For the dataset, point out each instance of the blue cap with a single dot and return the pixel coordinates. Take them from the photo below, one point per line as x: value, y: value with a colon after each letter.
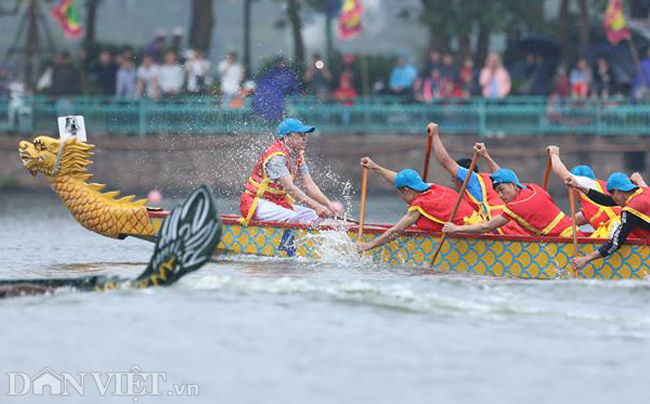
x: 621, y: 182
x: 292, y: 125
x: 505, y: 176
x: 583, y: 171
x: 410, y: 178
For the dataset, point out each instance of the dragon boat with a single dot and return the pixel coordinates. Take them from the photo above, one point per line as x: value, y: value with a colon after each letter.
x: 64, y: 164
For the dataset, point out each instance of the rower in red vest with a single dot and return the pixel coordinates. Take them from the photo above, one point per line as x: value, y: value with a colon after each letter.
x: 479, y: 194
x: 527, y: 204
x: 270, y: 190
x: 430, y: 205
x: 635, y: 215
x: 604, y: 219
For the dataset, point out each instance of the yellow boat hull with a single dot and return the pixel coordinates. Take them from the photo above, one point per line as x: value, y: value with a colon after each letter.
x: 503, y: 256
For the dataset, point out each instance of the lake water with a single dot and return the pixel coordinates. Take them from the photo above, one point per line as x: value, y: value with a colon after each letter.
x: 257, y: 330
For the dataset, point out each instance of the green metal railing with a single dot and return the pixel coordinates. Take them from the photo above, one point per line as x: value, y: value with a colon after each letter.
x: 522, y: 116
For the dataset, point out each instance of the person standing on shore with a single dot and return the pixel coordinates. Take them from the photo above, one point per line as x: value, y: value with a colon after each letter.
x: 232, y: 74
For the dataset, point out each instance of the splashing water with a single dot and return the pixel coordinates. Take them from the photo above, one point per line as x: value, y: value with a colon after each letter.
x: 347, y: 192
x: 336, y: 247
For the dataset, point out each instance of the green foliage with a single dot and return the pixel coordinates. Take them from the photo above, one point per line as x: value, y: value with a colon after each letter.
x: 598, y: 7
x: 379, y: 67
x: 450, y: 18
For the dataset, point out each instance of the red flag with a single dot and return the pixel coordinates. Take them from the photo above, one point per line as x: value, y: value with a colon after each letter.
x: 615, y: 23
x: 67, y: 15
x: 350, y: 18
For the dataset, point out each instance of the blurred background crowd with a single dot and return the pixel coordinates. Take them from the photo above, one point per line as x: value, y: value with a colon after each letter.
x: 162, y: 70
x: 596, y: 55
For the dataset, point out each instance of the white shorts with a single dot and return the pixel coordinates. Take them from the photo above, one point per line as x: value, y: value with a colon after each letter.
x: 270, y: 211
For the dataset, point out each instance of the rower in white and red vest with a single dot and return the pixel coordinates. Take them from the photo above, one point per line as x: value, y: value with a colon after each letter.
x: 479, y: 193
x: 430, y: 205
x: 635, y: 215
x: 604, y: 219
x: 527, y: 204
x: 271, y: 190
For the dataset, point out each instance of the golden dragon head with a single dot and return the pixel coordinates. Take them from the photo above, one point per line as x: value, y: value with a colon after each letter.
x: 64, y: 165
x: 53, y: 157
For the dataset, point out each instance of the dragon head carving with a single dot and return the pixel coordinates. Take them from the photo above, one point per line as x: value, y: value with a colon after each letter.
x: 64, y: 165
x: 53, y: 157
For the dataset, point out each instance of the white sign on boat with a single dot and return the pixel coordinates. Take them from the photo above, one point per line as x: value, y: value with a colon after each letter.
x: 72, y: 126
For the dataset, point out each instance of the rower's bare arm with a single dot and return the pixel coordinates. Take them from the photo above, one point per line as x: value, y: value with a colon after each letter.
x: 478, y: 228
x: 315, y: 193
x: 299, y: 196
x: 482, y: 151
x: 440, y: 151
x: 556, y: 163
x: 404, y: 223
x: 579, y: 262
x: 572, y: 182
x: 638, y: 180
x: 386, y: 174
x: 313, y: 190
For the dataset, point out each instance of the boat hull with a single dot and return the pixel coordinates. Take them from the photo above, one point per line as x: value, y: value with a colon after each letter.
x: 490, y: 255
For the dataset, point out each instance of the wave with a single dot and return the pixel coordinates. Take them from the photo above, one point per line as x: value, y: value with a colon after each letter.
x: 436, y: 300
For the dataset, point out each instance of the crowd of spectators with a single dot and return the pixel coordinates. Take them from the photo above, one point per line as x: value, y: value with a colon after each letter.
x: 157, y: 72
x: 118, y: 75
x: 162, y: 71
x: 442, y: 77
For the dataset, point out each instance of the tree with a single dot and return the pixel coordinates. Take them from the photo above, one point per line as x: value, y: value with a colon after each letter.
x: 563, y: 29
x: 462, y: 20
x: 201, y: 24
x: 586, y: 10
x: 293, y: 14
x: 247, y: 36
x: 91, y: 18
x: 639, y: 9
x: 585, y: 28
x: 5, y: 10
x: 27, y: 41
x: 434, y: 15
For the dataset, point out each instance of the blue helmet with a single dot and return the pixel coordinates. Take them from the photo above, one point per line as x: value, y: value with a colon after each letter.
x: 411, y: 179
x: 620, y: 182
x: 292, y: 125
x: 505, y: 176
x: 583, y: 171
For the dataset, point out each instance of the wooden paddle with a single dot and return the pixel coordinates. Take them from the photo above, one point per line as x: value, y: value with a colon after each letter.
x: 547, y: 172
x: 574, y: 226
x: 425, y: 172
x: 362, y: 210
x: 460, y: 198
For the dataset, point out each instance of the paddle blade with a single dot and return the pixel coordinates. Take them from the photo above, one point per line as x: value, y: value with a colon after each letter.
x: 187, y: 239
